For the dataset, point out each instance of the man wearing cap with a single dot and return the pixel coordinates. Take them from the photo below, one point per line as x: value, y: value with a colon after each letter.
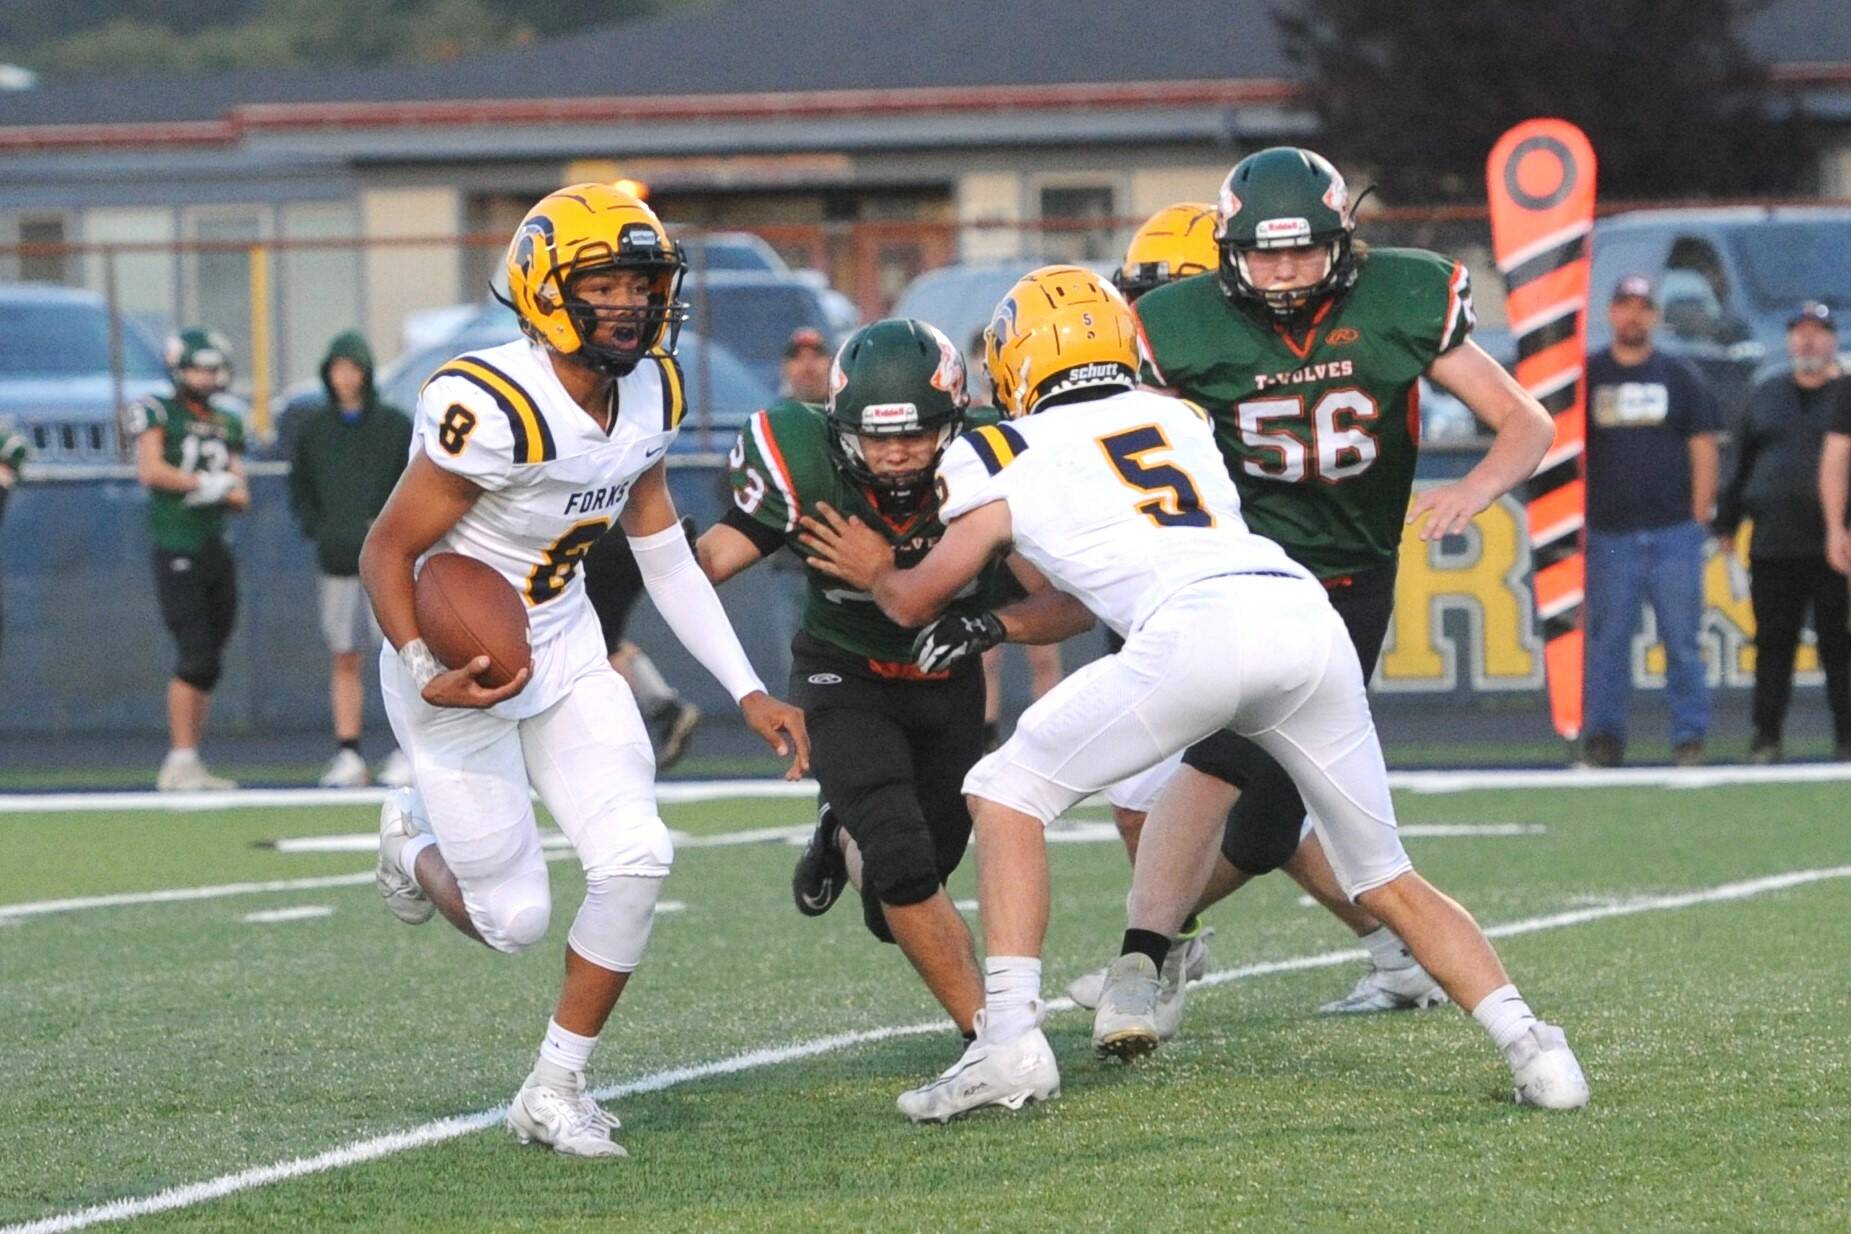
x: 1773, y: 479
x: 1651, y: 479
x: 804, y: 375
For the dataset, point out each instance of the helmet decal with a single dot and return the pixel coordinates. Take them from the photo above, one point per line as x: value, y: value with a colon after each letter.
x: 1337, y: 196
x: 950, y: 374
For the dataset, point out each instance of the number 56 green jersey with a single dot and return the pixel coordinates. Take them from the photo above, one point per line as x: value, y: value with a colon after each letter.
x: 1319, y: 424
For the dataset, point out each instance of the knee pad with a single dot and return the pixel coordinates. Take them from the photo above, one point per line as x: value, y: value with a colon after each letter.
x: 613, y: 924
x: 899, y: 861
x: 504, y: 882
x: 1265, y: 825
x: 515, y: 912
x: 199, y: 667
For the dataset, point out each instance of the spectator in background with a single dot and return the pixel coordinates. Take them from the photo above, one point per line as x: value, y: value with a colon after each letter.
x: 189, y: 449
x: 1044, y: 667
x: 1773, y: 478
x: 12, y: 458
x: 804, y: 375
x: 1651, y: 482
x: 344, y: 458
x: 1835, y: 487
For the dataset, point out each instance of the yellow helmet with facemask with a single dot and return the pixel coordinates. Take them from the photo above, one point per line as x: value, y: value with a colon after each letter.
x: 1173, y: 243
x: 595, y: 228
x: 1060, y: 329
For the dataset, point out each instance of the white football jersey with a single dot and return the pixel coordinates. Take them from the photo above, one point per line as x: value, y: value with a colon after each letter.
x: 554, y: 480
x: 1121, y: 501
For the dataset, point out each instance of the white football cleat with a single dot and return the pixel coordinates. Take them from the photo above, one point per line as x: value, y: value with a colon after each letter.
x: 395, y: 772
x: 345, y: 770
x: 1389, y: 989
x: 400, y: 818
x: 1125, y: 1024
x: 1172, y: 987
x: 1007, y: 1075
x: 184, y: 773
x: 1547, y: 1072
x: 564, y: 1119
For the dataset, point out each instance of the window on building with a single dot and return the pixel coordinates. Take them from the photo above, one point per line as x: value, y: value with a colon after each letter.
x: 1077, y: 222
x: 43, y: 267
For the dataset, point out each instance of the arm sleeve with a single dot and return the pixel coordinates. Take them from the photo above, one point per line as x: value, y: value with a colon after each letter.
x: 1838, y: 419
x: 12, y: 450
x: 1458, y: 317
x: 692, y: 609
x: 460, y: 429
x: 144, y: 414
x: 1150, y: 372
x: 1701, y: 414
x: 764, y: 490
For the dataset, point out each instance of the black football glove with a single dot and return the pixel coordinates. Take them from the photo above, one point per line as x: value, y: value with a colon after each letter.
x: 952, y: 638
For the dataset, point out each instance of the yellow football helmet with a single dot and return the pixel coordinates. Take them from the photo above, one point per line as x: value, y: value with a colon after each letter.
x: 1173, y: 243
x: 1060, y: 329
x: 595, y: 227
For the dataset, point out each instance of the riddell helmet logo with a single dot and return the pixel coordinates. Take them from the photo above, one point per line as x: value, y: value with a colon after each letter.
x: 889, y: 416
x: 1275, y: 230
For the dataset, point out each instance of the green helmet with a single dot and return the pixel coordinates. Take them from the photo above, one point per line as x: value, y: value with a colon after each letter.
x: 199, y: 347
x: 894, y: 377
x: 1284, y: 197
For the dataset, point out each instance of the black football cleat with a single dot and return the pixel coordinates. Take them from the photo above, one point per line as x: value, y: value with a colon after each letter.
x: 822, y: 870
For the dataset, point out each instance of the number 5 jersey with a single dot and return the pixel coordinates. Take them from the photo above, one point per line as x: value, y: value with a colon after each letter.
x: 552, y: 481
x: 1121, y: 501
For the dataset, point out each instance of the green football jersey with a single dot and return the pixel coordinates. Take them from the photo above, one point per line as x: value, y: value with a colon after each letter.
x: 780, y: 468
x: 190, y: 441
x: 1319, y: 428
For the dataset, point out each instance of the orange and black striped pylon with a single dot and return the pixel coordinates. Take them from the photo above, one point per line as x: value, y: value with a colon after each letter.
x: 1540, y: 179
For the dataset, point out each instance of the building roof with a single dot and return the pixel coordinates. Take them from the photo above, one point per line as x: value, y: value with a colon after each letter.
x: 781, y: 53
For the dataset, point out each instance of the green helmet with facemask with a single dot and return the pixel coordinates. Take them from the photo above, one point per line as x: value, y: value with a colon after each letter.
x: 198, y: 347
x: 894, y: 377
x: 1280, y: 198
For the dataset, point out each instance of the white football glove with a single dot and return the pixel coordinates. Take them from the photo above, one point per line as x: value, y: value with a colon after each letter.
x: 214, y: 488
x: 954, y: 637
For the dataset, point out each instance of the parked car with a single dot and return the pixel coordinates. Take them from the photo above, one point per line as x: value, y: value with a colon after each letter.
x: 960, y: 299
x: 1727, y: 279
x: 721, y: 391
x: 731, y: 252
x: 55, y: 380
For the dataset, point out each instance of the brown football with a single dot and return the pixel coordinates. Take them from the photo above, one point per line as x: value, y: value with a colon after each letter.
x: 465, y: 609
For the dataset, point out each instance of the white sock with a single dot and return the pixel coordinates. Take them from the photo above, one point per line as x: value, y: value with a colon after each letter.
x: 652, y: 690
x: 408, y: 856
x: 183, y: 754
x: 1012, y: 997
x: 566, y: 1049
x: 1505, y: 1016
x: 1387, y: 949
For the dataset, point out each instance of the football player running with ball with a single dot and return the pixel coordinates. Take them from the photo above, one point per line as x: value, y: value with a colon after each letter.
x: 1307, y: 352
x: 1119, y: 497
x: 522, y: 456
x: 896, y: 715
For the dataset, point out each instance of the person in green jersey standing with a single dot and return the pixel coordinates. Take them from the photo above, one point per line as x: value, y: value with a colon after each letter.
x: 1307, y: 350
x: 895, y: 715
x: 189, y: 450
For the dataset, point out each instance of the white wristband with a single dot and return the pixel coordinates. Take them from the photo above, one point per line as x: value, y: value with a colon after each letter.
x: 419, y: 662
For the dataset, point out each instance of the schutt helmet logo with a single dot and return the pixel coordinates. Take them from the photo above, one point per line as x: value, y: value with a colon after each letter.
x: 1342, y: 335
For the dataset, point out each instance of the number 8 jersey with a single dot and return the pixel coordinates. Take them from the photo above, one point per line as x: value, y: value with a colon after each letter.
x: 553, y: 480
x: 1121, y: 501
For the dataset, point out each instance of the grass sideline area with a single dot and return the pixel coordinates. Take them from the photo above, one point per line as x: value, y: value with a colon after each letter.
x: 163, y: 1045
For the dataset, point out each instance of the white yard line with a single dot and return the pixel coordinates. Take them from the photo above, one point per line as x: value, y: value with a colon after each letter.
x: 277, y: 916
x: 378, y: 1147
x: 676, y: 792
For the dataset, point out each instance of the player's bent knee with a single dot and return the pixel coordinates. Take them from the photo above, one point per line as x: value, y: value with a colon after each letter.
x: 199, y: 669
x: 516, y: 914
x: 899, y: 862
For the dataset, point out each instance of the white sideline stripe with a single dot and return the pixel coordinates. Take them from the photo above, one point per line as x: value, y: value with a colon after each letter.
x: 673, y: 792
x: 302, y: 912
x: 437, y: 1132
x: 368, y: 841
x: 689, y: 791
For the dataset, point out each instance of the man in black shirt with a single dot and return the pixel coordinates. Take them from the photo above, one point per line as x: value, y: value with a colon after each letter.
x: 1773, y: 478
x: 1651, y: 478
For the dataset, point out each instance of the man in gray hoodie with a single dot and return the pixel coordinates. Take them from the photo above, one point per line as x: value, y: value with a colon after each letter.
x: 344, y: 460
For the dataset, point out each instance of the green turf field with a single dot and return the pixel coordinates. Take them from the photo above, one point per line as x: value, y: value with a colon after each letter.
x: 151, y: 1046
